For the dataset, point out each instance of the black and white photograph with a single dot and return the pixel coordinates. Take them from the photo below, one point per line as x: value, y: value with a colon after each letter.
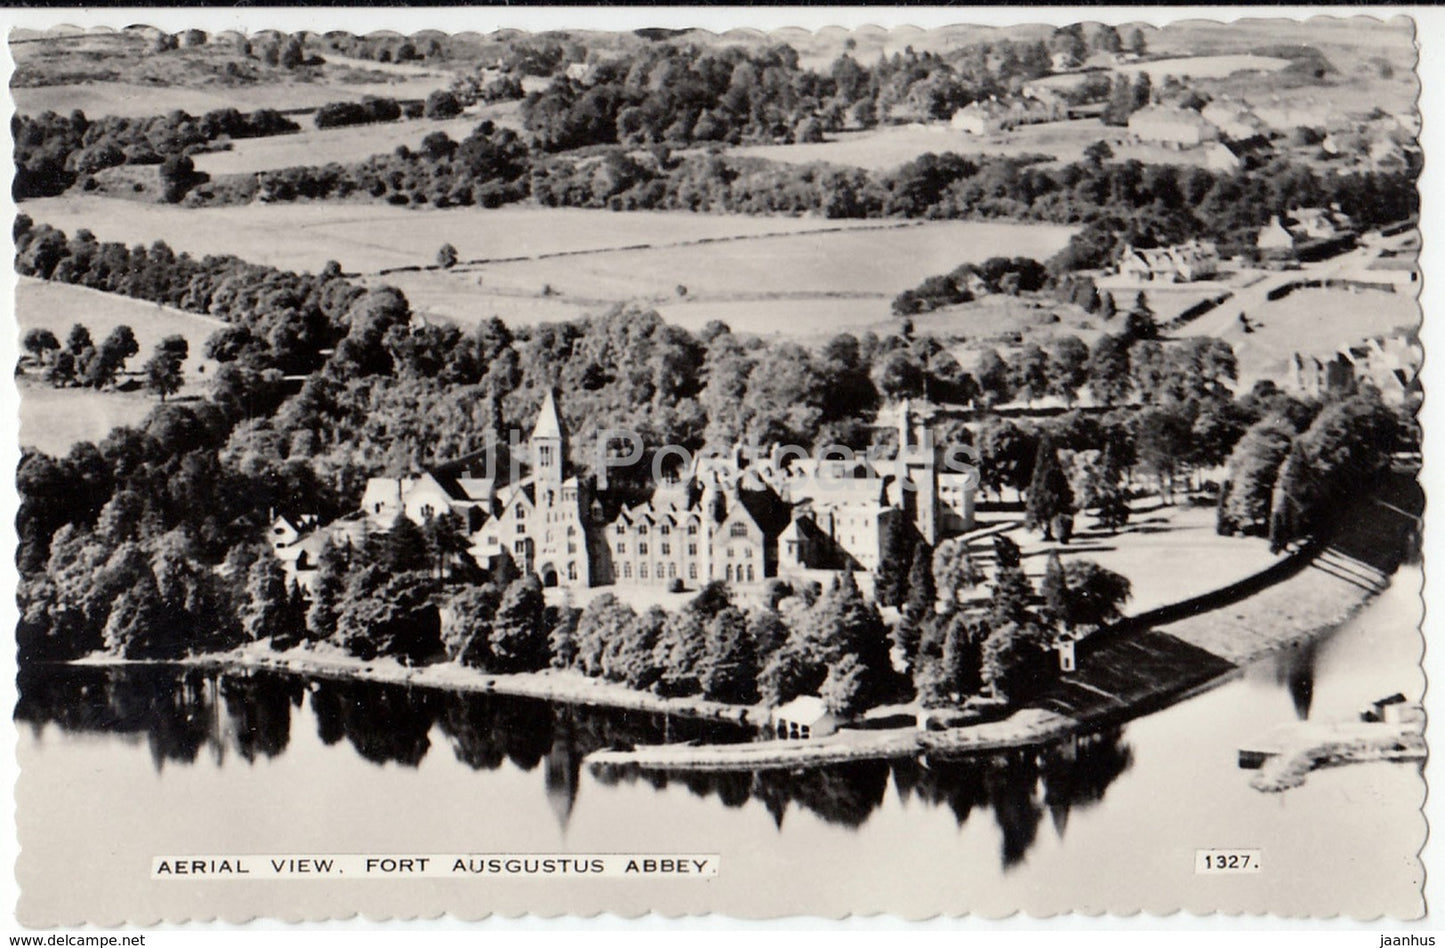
x: 472, y: 469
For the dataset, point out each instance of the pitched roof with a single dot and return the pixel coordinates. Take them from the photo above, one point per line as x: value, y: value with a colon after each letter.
x: 549, y: 424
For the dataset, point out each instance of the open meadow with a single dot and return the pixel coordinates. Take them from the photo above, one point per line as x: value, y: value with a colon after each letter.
x: 802, y: 284
x: 370, y: 237
x: 116, y: 73
x: 52, y: 419
x: 1316, y: 322
x: 886, y: 147
x: 313, y: 146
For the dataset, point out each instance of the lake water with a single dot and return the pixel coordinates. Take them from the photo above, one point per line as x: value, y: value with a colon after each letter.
x: 119, y: 766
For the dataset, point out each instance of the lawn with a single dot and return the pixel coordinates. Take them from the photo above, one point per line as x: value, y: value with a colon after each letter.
x: 370, y: 237
x: 53, y: 419
x: 313, y: 146
x: 1168, y: 553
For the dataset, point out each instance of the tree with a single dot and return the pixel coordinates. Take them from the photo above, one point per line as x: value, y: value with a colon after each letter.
x: 562, y: 637
x: 266, y: 612
x: 730, y: 661
x: 1015, y: 661
x: 1141, y: 323
x: 1054, y: 589
x: 994, y: 378
x: 954, y: 571
x: 1108, y: 370
x: 890, y: 583
x: 519, y: 640
x: 845, y: 690
x: 163, y: 370
x: 1006, y: 455
x: 1098, y: 153
x: 447, y: 257
x: 1091, y: 595
x: 1163, y: 438
x: 1251, y: 473
x: 404, y: 547
x: 681, y: 646
x: 1031, y: 373
x: 40, y: 343
x: 1049, y: 493
x: 327, y: 587
x: 1012, y: 597
x: 922, y: 595
x: 1068, y: 367
x: 606, y: 618
x: 1135, y: 42
x: 467, y: 636
x: 78, y: 340
x: 442, y: 104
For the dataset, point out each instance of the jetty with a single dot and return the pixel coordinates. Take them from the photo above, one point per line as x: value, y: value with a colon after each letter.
x: 1285, y: 756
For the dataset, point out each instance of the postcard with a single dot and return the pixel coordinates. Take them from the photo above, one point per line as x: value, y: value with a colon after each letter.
x: 689, y: 468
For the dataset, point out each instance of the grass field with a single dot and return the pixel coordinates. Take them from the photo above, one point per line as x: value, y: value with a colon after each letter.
x: 1316, y: 322
x: 890, y: 146
x: 108, y: 73
x: 800, y: 285
x: 53, y: 419
x: 313, y: 146
x: 119, y: 98
x: 370, y: 237
x: 1203, y: 67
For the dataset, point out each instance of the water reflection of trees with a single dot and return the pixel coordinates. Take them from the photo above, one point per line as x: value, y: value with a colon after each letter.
x: 1017, y: 787
x: 182, y: 712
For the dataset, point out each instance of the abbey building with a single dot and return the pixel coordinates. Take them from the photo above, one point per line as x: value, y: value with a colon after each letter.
x: 742, y: 518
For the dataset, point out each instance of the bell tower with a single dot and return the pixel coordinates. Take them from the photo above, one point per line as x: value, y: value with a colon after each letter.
x: 548, y: 444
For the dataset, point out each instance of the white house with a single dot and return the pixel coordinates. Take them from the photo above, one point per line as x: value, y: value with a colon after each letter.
x: 803, y: 718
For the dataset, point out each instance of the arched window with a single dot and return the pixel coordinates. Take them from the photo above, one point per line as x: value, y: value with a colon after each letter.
x: 750, y: 572
x: 572, y: 572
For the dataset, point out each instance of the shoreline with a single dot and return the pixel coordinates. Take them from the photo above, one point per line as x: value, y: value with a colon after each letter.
x: 1193, y: 654
x: 567, y: 687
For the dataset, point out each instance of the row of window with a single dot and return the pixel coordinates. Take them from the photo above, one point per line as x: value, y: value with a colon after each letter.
x: 664, y: 548
x: 660, y: 572
x: 665, y: 529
